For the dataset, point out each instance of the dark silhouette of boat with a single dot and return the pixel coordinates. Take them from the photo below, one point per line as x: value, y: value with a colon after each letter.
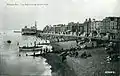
x: 16, y: 31
x: 8, y: 41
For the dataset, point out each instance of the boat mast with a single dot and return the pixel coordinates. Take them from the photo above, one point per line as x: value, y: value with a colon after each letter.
x: 36, y: 24
x: 36, y: 27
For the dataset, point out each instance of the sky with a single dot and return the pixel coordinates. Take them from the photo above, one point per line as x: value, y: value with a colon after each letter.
x: 50, y: 12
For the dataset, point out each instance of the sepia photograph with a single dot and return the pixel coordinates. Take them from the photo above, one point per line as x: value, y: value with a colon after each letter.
x: 60, y: 38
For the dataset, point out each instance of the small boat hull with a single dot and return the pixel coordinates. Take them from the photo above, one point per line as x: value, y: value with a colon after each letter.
x: 30, y: 48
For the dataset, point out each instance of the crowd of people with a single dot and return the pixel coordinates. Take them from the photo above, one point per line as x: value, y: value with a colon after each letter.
x: 74, y: 52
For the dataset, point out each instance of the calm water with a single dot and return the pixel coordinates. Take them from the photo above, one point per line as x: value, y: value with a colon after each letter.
x: 13, y: 65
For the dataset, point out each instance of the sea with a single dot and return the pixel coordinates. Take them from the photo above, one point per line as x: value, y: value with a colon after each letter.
x: 11, y: 64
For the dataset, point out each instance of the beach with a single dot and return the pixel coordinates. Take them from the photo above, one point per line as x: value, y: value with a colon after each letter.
x: 58, y: 68
x: 51, y: 63
x: 96, y: 65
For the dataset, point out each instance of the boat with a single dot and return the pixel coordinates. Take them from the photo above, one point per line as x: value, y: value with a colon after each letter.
x: 31, y: 48
x: 8, y: 41
x: 17, y: 31
x: 35, y: 49
x: 29, y: 31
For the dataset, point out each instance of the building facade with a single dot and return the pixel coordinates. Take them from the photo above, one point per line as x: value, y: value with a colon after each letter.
x: 79, y: 29
x: 96, y: 27
x: 108, y: 26
x: 87, y: 26
x: 111, y: 25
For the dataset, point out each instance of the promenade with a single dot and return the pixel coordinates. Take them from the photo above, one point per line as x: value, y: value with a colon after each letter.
x: 74, y: 37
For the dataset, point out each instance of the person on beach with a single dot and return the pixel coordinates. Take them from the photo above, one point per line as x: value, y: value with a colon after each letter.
x: 26, y: 54
x: 46, y: 49
x: 76, y: 54
x: 63, y: 58
x: 84, y: 55
x: 62, y: 49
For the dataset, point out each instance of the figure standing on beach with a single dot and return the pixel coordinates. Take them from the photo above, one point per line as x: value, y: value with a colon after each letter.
x: 26, y: 54
x: 84, y: 55
x: 63, y: 58
x: 76, y: 54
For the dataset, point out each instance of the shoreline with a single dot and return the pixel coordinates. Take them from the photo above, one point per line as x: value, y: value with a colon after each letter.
x: 58, y: 68
x: 91, y: 66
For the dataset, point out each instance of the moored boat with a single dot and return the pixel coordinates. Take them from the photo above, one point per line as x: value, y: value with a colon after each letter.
x: 31, y: 48
x: 17, y: 31
x: 8, y: 41
x: 36, y: 49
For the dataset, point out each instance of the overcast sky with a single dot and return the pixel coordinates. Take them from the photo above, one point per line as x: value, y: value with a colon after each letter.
x: 56, y: 12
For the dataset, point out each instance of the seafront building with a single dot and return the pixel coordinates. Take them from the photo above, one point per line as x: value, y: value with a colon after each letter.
x: 87, y: 27
x: 109, y: 27
x: 80, y: 29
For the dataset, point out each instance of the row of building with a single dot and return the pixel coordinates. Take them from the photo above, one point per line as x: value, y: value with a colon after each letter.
x: 90, y: 27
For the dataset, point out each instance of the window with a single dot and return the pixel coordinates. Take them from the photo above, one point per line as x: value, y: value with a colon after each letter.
x: 113, y: 27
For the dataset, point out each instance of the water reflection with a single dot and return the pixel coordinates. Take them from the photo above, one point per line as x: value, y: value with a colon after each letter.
x: 14, y: 65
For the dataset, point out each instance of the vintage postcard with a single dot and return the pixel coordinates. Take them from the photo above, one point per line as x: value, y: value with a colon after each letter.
x: 59, y: 37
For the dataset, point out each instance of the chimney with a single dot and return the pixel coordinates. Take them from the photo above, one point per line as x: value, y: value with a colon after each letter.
x: 93, y: 19
x: 89, y: 19
x: 86, y: 20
